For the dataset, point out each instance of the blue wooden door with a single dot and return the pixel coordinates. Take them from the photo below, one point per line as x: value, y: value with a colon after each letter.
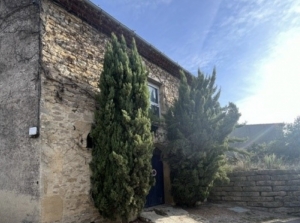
x: 156, y: 193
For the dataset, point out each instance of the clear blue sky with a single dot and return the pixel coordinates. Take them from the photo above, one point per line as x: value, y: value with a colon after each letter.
x: 254, y: 44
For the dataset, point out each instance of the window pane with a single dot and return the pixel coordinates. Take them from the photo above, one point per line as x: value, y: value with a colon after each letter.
x: 155, y: 110
x: 153, y: 94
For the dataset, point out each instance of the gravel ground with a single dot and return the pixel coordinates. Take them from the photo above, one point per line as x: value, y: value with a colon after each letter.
x: 212, y: 213
x: 220, y: 213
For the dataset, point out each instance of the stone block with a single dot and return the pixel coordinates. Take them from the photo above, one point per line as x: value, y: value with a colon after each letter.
x: 294, y: 193
x: 255, y: 204
x: 258, y: 178
x: 266, y: 172
x: 293, y: 182
x: 239, y: 203
x: 272, y: 194
x: 286, y: 188
x: 227, y: 189
x: 232, y: 198
x: 281, y: 188
x: 231, y: 189
x: 292, y: 204
x: 52, y: 209
x: 244, y: 183
x: 273, y: 204
x: 259, y: 199
x: 270, y: 183
x: 258, y: 189
x: 286, y: 177
x: 238, y: 179
x: 290, y: 198
x: 242, y: 194
x: 275, y: 172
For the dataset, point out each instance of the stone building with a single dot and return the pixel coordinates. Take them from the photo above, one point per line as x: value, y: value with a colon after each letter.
x: 51, y: 58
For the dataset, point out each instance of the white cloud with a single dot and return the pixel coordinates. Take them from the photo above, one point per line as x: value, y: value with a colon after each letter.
x: 262, y: 100
x: 201, y: 60
x: 276, y: 98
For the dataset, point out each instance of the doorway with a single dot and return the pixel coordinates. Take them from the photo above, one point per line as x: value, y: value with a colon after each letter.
x: 156, y: 193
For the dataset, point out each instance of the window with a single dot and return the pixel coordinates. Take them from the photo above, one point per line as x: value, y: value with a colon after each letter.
x: 154, y: 99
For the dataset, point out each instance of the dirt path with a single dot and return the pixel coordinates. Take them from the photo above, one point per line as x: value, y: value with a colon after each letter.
x: 212, y: 213
x: 223, y: 213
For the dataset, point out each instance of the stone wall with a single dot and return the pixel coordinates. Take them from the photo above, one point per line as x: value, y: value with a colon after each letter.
x: 19, y: 103
x: 269, y: 190
x: 72, y: 58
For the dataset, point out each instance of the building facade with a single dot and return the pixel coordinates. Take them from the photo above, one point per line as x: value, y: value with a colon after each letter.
x: 52, y: 54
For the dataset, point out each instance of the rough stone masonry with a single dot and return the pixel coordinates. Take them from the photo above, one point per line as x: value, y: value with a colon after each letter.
x: 267, y: 190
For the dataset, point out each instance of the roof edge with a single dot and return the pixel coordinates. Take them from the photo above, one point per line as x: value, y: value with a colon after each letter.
x: 105, y: 23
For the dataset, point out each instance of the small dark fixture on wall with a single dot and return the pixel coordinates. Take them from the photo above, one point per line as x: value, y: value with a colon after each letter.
x: 154, y: 128
x: 89, y: 142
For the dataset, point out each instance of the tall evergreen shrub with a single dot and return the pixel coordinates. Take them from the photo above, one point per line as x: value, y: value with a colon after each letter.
x: 121, y: 159
x: 197, y: 130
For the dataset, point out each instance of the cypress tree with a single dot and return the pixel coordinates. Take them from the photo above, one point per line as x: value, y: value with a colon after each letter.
x: 121, y: 157
x: 197, y: 130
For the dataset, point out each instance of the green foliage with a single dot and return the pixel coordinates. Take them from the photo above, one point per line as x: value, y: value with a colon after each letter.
x: 259, y: 151
x: 272, y: 162
x: 242, y: 164
x: 154, y: 118
x: 121, y: 163
x: 292, y: 139
x: 286, y: 146
x: 267, y: 162
x: 198, y: 129
x: 282, y: 153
